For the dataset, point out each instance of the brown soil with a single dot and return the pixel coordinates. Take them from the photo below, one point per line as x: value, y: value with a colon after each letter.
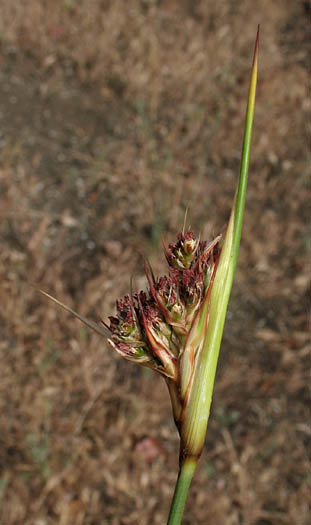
x: 116, y: 117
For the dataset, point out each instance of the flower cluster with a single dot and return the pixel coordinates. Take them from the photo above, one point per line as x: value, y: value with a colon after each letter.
x: 153, y: 328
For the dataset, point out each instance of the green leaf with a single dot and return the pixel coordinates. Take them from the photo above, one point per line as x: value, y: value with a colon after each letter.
x: 198, y: 405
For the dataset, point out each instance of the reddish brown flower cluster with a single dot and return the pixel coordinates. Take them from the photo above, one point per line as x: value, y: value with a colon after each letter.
x: 151, y: 328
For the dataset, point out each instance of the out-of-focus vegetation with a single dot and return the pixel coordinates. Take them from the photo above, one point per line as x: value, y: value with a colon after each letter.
x: 114, y: 116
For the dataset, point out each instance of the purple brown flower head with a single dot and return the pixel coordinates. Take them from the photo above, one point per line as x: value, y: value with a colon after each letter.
x: 152, y: 328
x: 127, y: 337
x: 182, y: 253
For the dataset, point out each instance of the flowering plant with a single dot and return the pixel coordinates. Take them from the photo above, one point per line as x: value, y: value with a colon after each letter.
x: 176, y: 326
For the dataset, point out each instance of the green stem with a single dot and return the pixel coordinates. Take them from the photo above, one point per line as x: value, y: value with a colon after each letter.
x: 185, y: 475
x: 196, y: 412
x: 239, y: 204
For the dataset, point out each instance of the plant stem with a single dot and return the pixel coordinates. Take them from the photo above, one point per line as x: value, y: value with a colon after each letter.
x: 185, y: 475
x: 239, y: 204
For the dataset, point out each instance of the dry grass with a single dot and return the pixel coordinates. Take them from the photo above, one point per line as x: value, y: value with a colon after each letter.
x: 116, y: 117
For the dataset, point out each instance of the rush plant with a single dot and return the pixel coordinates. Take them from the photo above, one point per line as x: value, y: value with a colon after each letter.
x: 176, y: 327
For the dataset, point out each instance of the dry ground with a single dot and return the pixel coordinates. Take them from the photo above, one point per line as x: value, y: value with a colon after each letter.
x: 115, y: 116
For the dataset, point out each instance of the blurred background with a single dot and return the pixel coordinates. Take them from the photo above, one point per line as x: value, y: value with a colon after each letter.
x: 114, y: 118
